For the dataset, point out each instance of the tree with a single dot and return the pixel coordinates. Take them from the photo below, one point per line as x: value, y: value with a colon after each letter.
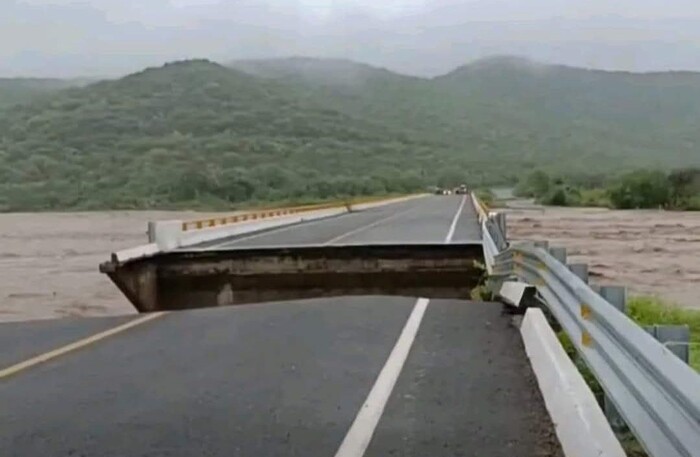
x: 641, y: 189
x: 558, y: 198
x: 685, y: 185
x: 235, y: 186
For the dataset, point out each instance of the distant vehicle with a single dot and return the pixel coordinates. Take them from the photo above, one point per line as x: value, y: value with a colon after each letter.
x: 439, y: 191
x: 462, y: 190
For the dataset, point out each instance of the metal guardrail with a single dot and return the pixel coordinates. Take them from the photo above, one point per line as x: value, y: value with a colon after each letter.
x: 489, y: 245
x: 656, y: 393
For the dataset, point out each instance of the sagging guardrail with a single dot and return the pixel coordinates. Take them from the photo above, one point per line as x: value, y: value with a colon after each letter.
x: 488, y: 243
x: 655, y: 392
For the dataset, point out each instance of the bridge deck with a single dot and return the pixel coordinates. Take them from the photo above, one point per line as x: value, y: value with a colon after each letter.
x: 425, y: 220
x: 285, y: 378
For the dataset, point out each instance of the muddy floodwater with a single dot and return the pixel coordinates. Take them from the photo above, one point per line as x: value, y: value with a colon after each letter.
x: 49, y: 262
x: 651, y: 252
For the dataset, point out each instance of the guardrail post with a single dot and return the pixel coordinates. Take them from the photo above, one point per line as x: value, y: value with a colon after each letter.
x: 558, y: 253
x: 616, y: 296
x: 613, y: 415
x: 675, y: 337
x: 580, y: 270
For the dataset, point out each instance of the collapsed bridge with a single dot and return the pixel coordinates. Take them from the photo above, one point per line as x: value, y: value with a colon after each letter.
x: 357, y: 330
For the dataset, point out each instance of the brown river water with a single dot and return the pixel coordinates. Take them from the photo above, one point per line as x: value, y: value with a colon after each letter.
x: 49, y: 261
x: 651, y: 252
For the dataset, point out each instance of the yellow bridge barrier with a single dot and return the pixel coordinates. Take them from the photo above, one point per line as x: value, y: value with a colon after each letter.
x: 253, y: 215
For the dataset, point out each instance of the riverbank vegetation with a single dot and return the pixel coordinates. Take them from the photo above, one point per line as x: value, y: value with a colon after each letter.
x: 644, y: 188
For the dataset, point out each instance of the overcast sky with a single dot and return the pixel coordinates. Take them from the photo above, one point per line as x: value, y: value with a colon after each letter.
x: 66, y: 38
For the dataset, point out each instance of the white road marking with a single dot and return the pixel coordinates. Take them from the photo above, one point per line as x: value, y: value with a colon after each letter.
x: 451, y: 233
x: 360, y: 433
x: 367, y: 227
x: 45, y: 357
x: 362, y: 429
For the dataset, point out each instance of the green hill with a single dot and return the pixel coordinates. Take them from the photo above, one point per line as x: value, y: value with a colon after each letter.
x: 198, y: 133
x: 192, y: 132
x: 623, y: 119
x: 507, y: 109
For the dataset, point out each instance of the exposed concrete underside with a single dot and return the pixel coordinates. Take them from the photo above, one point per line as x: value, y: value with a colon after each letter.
x: 200, y: 279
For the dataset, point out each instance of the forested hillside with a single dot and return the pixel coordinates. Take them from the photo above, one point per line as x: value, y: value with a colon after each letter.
x: 197, y: 133
x: 602, y: 119
x: 526, y: 113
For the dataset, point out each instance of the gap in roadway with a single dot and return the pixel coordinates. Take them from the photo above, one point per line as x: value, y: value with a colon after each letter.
x: 288, y: 379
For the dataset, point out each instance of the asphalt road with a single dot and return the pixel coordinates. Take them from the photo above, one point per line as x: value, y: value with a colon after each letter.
x: 344, y: 377
x: 423, y: 220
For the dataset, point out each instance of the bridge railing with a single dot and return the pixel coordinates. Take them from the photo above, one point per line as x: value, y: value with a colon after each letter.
x: 246, y: 216
x: 488, y: 243
x: 657, y: 394
x: 173, y: 234
x: 169, y: 235
x: 268, y: 213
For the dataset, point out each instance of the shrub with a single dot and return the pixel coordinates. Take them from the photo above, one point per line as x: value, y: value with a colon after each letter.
x: 651, y: 310
x: 641, y: 189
